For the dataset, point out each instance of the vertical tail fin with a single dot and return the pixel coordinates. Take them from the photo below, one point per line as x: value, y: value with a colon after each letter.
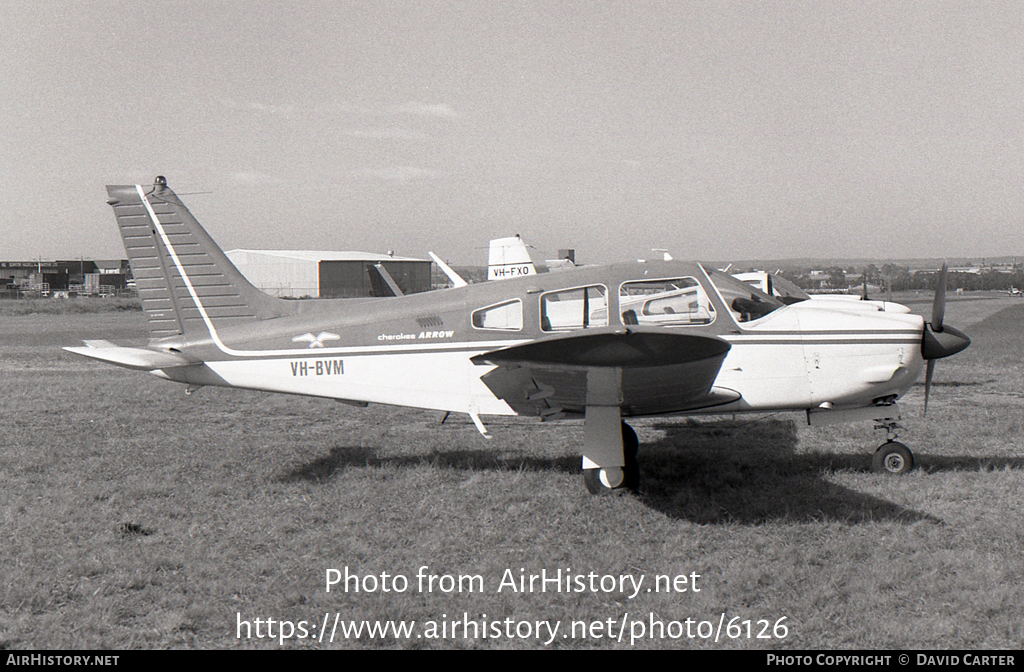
x: 508, y: 258
x: 187, y: 284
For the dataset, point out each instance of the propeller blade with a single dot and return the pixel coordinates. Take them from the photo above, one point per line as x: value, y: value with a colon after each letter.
x: 929, y: 372
x: 939, y: 304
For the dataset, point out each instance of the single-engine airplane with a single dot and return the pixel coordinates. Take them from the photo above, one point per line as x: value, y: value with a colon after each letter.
x: 599, y: 342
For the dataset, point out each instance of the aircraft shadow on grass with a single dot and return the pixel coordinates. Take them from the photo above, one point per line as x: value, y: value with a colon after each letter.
x: 703, y: 471
x: 340, y: 458
x: 935, y: 464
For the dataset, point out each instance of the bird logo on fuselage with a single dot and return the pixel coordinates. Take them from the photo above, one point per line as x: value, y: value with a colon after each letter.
x: 318, y: 340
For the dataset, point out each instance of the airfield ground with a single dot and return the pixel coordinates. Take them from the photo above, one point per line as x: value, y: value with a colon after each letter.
x: 135, y: 516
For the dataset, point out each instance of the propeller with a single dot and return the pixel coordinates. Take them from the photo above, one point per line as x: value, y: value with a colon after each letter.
x: 939, y: 340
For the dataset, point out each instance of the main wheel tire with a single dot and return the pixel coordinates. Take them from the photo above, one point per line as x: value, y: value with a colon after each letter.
x: 893, y: 457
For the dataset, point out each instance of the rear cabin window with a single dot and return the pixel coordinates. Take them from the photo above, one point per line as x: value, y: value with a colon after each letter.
x: 505, y: 316
x: 670, y: 302
x: 578, y: 308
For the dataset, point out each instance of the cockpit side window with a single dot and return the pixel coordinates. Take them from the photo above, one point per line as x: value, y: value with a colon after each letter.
x: 505, y: 316
x: 670, y: 302
x: 577, y: 308
x: 746, y: 303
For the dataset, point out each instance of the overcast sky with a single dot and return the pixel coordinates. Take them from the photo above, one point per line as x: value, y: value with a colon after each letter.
x: 716, y: 130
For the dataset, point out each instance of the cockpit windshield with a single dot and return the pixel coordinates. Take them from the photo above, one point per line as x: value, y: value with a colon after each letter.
x: 746, y: 303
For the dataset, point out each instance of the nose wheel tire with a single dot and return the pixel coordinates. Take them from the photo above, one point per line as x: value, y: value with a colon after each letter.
x: 617, y: 479
x: 892, y: 457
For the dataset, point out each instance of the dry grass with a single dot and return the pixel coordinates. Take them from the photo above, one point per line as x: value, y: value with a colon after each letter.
x: 76, y: 306
x: 134, y: 516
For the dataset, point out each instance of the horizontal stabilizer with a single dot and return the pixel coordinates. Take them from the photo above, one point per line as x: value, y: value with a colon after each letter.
x: 142, y: 359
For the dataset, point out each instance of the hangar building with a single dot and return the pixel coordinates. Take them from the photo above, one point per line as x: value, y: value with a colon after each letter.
x: 314, y: 273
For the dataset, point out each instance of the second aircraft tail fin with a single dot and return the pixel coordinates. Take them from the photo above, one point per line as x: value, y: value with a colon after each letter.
x: 509, y: 258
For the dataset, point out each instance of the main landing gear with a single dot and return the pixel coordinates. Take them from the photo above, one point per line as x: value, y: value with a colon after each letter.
x: 607, y: 480
x: 892, y: 457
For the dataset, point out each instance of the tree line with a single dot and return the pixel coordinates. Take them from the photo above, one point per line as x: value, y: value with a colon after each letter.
x: 900, y: 278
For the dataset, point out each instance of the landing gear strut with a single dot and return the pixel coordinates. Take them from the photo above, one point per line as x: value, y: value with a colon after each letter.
x: 892, y: 457
x: 607, y: 480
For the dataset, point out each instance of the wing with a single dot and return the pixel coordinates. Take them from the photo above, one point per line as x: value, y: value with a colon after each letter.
x: 642, y: 371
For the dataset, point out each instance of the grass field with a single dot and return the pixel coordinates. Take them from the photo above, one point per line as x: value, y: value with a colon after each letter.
x: 136, y: 516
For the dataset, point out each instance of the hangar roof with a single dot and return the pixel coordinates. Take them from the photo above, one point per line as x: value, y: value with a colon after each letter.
x: 325, y: 255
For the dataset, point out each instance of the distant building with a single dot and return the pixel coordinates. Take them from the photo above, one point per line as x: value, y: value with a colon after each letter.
x: 83, y: 276
x: 314, y: 273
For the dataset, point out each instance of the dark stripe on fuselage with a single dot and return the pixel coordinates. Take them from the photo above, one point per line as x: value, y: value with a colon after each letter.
x: 483, y: 346
x: 827, y: 332
x: 816, y: 341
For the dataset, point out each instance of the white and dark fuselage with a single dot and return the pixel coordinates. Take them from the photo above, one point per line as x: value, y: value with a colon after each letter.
x: 417, y: 350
